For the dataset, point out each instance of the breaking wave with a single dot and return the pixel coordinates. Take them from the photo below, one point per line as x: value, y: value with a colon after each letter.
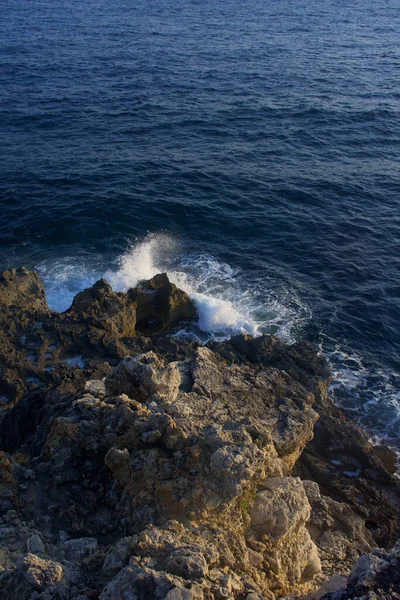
x: 229, y: 303
x: 226, y: 302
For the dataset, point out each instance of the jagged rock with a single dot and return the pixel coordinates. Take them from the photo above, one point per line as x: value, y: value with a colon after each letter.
x: 33, y: 577
x: 96, y: 387
x: 118, y: 556
x: 160, y: 304
x: 143, y: 375
x: 334, y: 584
x: 339, y: 533
x: 280, y: 507
x: 38, y: 346
x: 136, y: 583
x: 169, y: 474
x: 181, y: 593
x: 281, y: 511
x: 38, y: 572
x: 375, y: 576
x: 22, y: 290
x: 188, y: 563
x: 79, y: 549
x: 105, y: 309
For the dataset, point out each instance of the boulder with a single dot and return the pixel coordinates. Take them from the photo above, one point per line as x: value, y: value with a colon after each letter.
x: 79, y: 549
x: 22, y: 291
x: 105, y: 309
x: 280, y: 507
x: 160, y: 305
x: 38, y: 572
x: 141, y: 376
x: 375, y: 576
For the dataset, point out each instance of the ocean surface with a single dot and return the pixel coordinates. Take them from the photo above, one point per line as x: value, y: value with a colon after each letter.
x: 250, y: 149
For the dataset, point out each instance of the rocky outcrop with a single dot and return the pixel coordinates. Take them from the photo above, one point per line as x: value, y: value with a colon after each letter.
x: 177, y: 471
x: 38, y: 346
x: 375, y: 576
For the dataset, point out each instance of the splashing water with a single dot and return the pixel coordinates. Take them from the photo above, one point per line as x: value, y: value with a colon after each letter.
x: 228, y: 303
x: 210, y: 283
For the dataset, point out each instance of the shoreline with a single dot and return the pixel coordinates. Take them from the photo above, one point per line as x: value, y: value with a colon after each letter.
x: 232, y: 444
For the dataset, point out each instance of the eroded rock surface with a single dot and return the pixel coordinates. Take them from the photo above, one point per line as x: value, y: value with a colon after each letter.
x: 38, y: 347
x: 163, y: 469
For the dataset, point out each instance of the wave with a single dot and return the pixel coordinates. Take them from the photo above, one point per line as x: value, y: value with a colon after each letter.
x: 229, y: 302
x: 225, y: 302
x: 371, y: 394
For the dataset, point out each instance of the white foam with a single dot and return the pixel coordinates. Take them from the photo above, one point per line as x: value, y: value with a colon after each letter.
x: 230, y: 302
x: 216, y: 315
x: 197, y: 274
x: 370, y: 394
x: 142, y: 261
x: 226, y: 302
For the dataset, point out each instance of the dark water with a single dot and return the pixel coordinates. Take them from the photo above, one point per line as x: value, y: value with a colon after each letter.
x: 255, y: 144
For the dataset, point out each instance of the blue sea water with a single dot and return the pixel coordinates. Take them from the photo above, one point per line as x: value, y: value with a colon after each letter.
x: 249, y: 148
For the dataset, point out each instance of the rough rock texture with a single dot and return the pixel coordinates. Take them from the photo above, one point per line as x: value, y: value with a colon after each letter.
x: 179, y: 472
x: 39, y: 347
x: 375, y: 576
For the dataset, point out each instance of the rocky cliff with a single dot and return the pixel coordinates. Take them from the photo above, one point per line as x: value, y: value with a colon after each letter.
x: 136, y: 465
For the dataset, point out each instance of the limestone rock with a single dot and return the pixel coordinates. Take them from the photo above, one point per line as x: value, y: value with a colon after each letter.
x: 118, y: 556
x: 281, y: 511
x: 38, y: 572
x: 174, y: 472
x: 35, y: 545
x: 143, y: 375
x: 160, y: 304
x: 79, y: 549
x: 375, y: 576
x: 181, y: 593
x: 38, y: 346
x: 22, y: 290
x: 105, y: 309
x: 280, y: 507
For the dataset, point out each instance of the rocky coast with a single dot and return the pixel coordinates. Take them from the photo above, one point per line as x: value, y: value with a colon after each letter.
x: 137, y: 465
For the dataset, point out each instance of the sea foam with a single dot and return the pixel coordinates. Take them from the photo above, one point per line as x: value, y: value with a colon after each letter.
x: 208, y: 282
x: 228, y: 302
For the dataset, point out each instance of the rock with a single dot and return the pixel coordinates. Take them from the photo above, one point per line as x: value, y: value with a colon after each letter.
x: 22, y: 290
x: 38, y: 572
x: 105, y: 309
x: 118, y: 556
x: 38, y: 346
x: 280, y: 507
x: 35, y: 545
x: 336, y: 583
x: 136, y: 583
x: 143, y: 375
x: 280, y: 511
x: 180, y: 471
x: 187, y: 564
x: 160, y: 305
x: 79, y: 549
x: 254, y: 558
x: 180, y: 593
x: 96, y: 387
x: 374, y: 576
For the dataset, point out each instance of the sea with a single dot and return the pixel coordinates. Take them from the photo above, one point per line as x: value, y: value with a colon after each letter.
x: 248, y: 148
